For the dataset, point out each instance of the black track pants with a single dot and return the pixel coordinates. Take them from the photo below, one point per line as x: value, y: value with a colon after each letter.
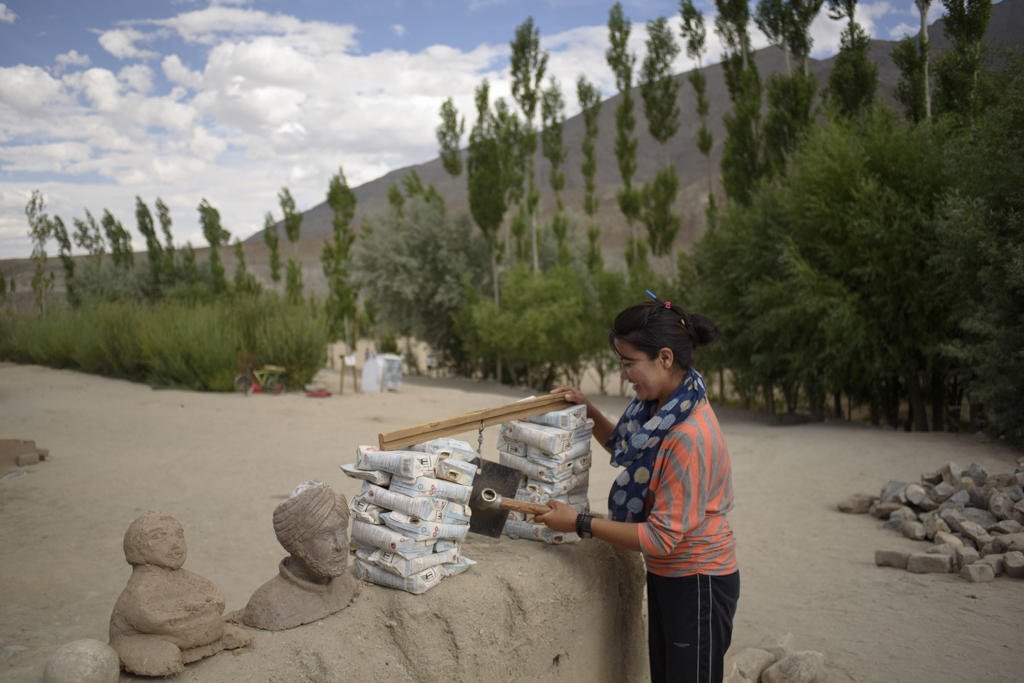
x: 690, y: 626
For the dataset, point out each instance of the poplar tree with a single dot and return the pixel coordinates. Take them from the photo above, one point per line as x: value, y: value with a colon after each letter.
x: 154, y: 252
x: 589, y: 97
x: 790, y: 96
x: 960, y: 88
x: 449, y: 137
x: 529, y: 62
x: 621, y: 62
x: 741, y: 154
x: 910, y: 91
x: 40, y: 229
x: 245, y: 282
x: 660, y: 92
x: 60, y: 234
x: 336, y: 257
x: 293, y: 230
x: 188, y: 265
x: 119, y: 240
x: 89, y: 237
x: 209, y: 218
x: 168, y: 265
x: 509, y: 133
x: 487, y: 180
x: 552, y: 143
x: 695, y: 34
x: 854, y: 78
x: 272, y: 240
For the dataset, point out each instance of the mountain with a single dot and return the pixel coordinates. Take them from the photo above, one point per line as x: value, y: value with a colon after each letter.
x: 1006, y: 27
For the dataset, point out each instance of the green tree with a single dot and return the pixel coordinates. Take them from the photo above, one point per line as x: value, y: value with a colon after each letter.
x: 293, y: 230
x: 89, y: 237
x: 40, y: 229
x: 245, y: 282
x: 621, y: 61
x: 189, y: 267
x: 449, y: 136
x: 800, y: 41
x: 741, y: 153
x: 209, y: 218
x: 336, y: 259
x: 589, y: 97
x: 60, y: 234
x: 854, y: 78
x: 3, y: 289
x: 553, y: 146
x: 154, y: 251
x: 272, y: 240
x: 911, y: 90
x: 695, y: 34
x: 529, y: 62
x: 961, y: 88
x: 119, y: 240
x: 169, y: 265
x: 660, y: 93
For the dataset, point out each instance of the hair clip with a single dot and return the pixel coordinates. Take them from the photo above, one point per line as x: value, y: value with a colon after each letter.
x: 653, y: 296
x: 668, y: 304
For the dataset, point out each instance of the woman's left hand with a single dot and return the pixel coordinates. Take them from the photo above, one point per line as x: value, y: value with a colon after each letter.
x: 561, y: 518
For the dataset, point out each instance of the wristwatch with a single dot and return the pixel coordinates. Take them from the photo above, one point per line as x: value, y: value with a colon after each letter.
x: 583, y: 522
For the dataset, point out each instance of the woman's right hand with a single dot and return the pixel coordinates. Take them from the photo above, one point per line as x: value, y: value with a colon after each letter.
x: 575, y: 395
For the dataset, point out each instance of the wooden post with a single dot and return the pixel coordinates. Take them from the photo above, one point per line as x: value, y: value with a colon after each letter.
x: 341, y: 384
x: 355, y: 373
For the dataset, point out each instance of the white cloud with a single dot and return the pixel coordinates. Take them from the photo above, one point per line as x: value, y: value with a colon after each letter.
x: 69, y: 59
x: 7, y: 15
x: 121, y: 43
x: 398, y: 29
x: 904, y: 29
x: 176, y: 72
x: 27, y: 88
x: 138, y: 77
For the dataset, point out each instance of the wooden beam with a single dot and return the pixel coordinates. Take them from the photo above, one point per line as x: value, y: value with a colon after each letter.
x: 407, y: 436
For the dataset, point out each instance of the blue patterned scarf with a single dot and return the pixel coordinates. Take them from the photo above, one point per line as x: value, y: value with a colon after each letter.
x: 634, y: 445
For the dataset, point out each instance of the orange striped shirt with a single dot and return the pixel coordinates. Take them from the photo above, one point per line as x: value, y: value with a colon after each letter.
x: 686, y: 531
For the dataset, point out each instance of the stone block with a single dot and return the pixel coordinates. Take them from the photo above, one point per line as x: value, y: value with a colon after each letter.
x: 981, y: 517
x: 998, y: 481
x: 964, y: 484
x: 904, y: 513
x: 996, y: 561
x: 935, y: 524
x: 857, y: 504
x: 914, y: 531
x: 26, y: 459
x: 799, y: 667
x: 1019, y: 476
x: 1008, y: 542
x: 894, y: 491
x: 979, y: 496
x: 1007, y: 526
x: 940, y: 549
x: 1013, y: 564
x: 882, y: 511
x: 951, y: 472
x: 975, y: 532
x: 752, y: 661
x: 978, y: 573
x: 1015, y: 492
x: 931, y: 477
x: 942, y: 492
x: 1000, y: 505
x: 977, y: 473
x: 83, y: 661
x: 967, y: 543
x: 894, y: 524
x: 961, y: 498
x: 985, y: 549
x: 779, y: 645
x: 948, y: 539
x: 965, y: 556
x: 923, y: 563
x: 952, y: 517
x: 915, y: 493
x: 928, y: 504
x: 890, y: 558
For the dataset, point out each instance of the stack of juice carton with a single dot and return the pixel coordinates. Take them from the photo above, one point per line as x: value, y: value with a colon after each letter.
x: 553, y: 453
x: 410, y: 517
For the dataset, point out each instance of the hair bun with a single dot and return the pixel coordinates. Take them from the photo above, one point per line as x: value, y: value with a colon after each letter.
x: 704, y: 329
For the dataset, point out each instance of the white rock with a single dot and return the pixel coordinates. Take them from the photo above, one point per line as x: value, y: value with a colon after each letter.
x: 799, y: 667
x: 83, y: 661
x: 752, y: 662
x: 778, y: 644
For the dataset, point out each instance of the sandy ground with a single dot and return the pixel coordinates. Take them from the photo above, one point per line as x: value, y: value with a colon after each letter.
x: 221, y: 463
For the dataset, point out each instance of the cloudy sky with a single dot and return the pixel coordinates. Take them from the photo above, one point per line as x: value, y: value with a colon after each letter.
x: 230, y: 100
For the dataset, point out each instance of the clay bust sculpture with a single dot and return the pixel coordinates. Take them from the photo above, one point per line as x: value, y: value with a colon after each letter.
x: 312, y: 525
x: 166, y: 616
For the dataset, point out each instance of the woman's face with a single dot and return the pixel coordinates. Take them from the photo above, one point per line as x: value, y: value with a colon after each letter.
x: 651, y: 377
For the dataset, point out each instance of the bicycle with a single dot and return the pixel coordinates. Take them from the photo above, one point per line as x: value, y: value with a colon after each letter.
x: 267, y: 379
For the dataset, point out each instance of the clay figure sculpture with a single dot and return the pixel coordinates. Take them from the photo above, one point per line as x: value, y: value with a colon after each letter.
x: 312, y: 582
x: 166, y: 617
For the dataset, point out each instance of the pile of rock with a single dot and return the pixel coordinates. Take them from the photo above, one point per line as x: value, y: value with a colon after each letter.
x: 975, y: 521
x: 410, y: 517
x: 773, y: 661
x: 553, y: 453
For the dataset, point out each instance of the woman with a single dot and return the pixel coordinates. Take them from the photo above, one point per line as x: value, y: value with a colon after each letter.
x: 670, y: 502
